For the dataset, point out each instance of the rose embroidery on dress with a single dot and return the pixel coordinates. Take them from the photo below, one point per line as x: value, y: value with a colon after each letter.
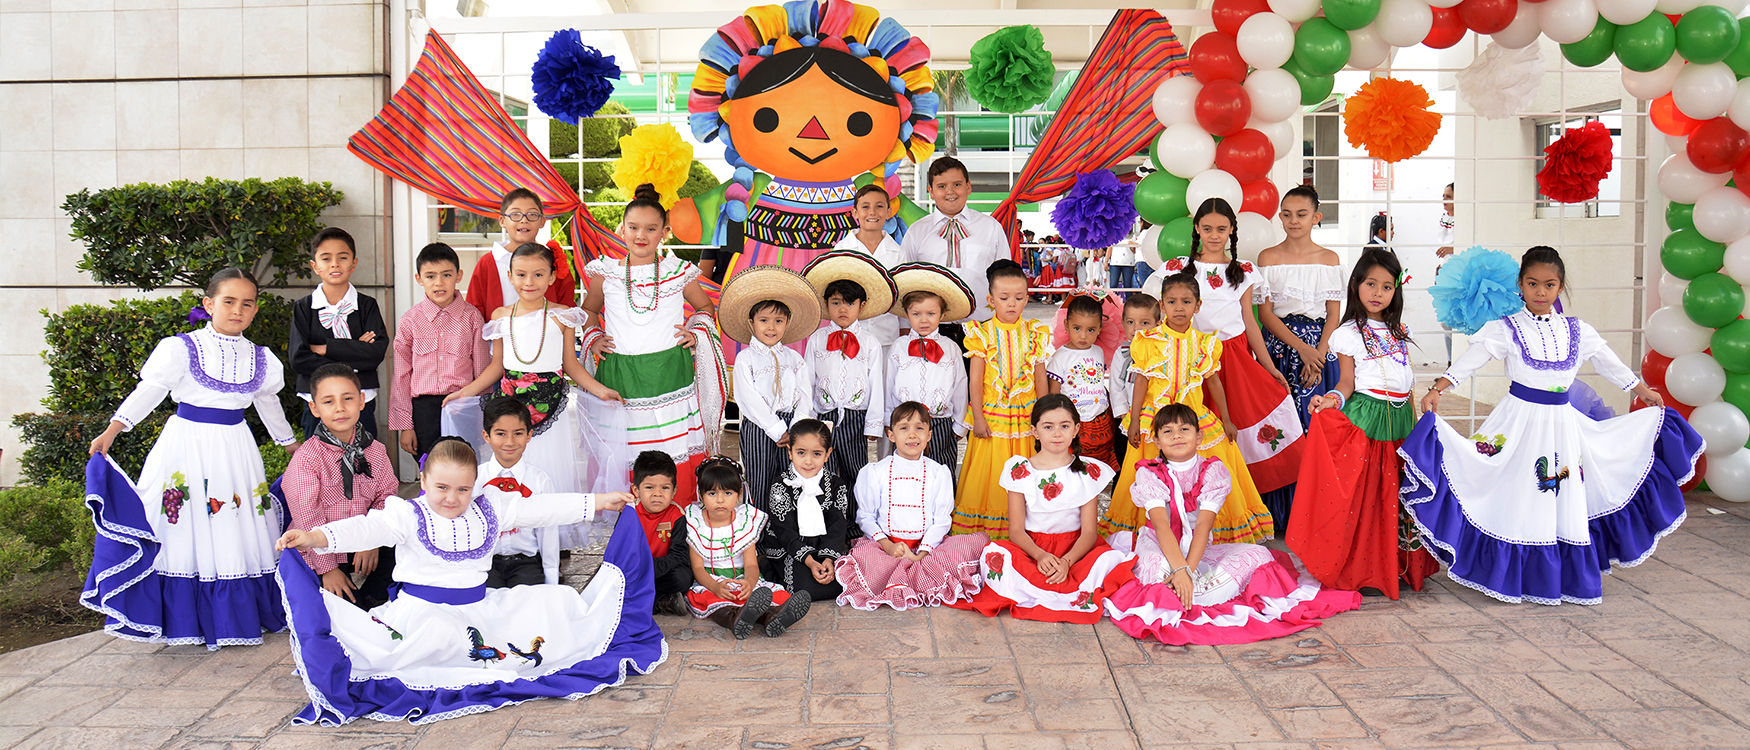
x: 1269, y: 435
x: 1050, y: 486
x: 993, y: 563
x: 1093, y: 471
x: 1084, y: 601
x: 1019, y: 472
x: 1176, y: 264
x: 1214, y: 279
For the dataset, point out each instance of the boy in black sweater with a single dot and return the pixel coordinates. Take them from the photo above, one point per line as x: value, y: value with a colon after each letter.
x: 653, y: 484
x: 337, y: 324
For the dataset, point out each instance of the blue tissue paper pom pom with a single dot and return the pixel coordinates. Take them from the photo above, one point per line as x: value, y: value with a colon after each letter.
x: 572, y: 79
x: 1475, y: 287
x: 1097, y: 212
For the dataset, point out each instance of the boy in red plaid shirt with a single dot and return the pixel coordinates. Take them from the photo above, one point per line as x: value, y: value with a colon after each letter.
x: 341, y: 471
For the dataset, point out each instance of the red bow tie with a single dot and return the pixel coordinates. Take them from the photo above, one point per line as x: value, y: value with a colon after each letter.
x: 844, y: 341
x: 927, y: 349
x: 509, y: 484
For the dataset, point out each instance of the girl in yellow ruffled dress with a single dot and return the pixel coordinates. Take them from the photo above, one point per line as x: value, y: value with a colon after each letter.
x: 1176, y: 360
x: 1008, y: 374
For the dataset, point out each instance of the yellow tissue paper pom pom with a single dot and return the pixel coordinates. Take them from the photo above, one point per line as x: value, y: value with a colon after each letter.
x: 655, y: 154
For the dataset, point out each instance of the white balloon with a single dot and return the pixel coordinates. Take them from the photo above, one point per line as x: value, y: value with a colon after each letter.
x: 1275, y: 94
x: 1671, y: 288
x: 1521, y: 33
x: 1676, y: 144
x: 1567, y: 21
x: 1670, y: 331
x: 1405, y: 23
x: 1680, y: 181
x: 1735, y: 6
x: 1186, y: 150
x: 1367, y: 49
x: 1704, y: 91
x: 1653, y: 83
x: 1443, y: 3
x: 1624, y: 12
x: 1281, y: 136
x: 1739, y: 110
x: 1174, y: 100
x: 1737, y: 263
x: 1729, y: 476
x: 1266, y: 40
x: 1722, y: 214
x: 1295, y: 10
x: 1695, y: 379
x: 1722, y: 426
x: 1677, y: 7
x: 1256, y: 233
x: 1213, y: 183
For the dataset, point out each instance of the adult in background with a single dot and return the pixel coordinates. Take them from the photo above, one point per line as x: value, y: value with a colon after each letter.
x: 1122, y: 263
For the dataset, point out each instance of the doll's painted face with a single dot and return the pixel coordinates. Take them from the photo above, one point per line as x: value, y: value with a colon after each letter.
x: 810, y: 126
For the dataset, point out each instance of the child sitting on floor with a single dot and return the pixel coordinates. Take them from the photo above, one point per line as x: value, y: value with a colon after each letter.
x: 654, y: 486
x: 905, y: 504
x: 526, y: 555
x: 726, y: 568
x: 810, y: 511
x: 341, y: 472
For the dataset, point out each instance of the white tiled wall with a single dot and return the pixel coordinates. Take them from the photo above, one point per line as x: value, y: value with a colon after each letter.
x: 116, y: 92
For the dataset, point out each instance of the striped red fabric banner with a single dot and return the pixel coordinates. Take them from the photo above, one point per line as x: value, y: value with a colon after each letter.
x: 446, y: 135
x: 1107, y: 115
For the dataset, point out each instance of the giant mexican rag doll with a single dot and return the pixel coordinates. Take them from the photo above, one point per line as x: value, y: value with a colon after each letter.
x: 810, y: 100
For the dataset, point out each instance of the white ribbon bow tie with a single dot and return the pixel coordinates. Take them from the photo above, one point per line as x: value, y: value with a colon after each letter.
x: 334, y: 319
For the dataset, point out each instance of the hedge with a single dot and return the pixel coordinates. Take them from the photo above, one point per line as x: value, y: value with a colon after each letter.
x: 42, y: 528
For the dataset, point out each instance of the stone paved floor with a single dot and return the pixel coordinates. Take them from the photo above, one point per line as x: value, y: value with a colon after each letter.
x: 1662, y: 663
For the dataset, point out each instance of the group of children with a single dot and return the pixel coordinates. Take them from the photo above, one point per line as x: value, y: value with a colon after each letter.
x: 1198, y: 436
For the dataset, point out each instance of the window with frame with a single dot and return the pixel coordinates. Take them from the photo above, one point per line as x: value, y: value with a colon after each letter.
x: 1609, y: 200
x: 1321, y: 132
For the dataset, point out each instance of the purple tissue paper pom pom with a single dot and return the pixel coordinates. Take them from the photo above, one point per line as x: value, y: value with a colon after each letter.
x: 1098, y: 212
x: 572, y: 79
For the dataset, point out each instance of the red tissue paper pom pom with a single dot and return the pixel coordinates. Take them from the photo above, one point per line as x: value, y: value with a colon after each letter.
x: 1575, y: 164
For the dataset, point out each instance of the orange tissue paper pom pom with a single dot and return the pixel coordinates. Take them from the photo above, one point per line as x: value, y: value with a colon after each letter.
x: 1390, y: 118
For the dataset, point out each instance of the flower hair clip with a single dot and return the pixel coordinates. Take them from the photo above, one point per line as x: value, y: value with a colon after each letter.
x: 1404, y: 277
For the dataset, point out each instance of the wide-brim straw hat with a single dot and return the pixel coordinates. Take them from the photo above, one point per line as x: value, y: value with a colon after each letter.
x: 862, y: 268
x: 753, y: 285
x: 929, y: 277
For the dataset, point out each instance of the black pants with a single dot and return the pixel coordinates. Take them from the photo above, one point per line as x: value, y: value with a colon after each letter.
x: 762, y: 461
x: 375, y: 589
x: 850, y: 450
x: 956, y: 333
x: 799, y: 578
x: 515, y: 570
x: 944, y: 446
x: 676, y: 581
x: 367, y: 419
x: 428, y: 422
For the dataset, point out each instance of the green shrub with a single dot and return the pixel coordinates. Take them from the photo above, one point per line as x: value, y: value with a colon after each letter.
x: 51, y: 518
x: 18, y: 556
x: 699, y: 180
x: 148, y: 236
x: 58, y: 445
x: 585, y: 177
x: 602, y: 206
x: 600, y: 135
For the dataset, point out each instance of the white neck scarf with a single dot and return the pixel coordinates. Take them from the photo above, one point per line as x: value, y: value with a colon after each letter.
x: 332, y: 316
x: 810, y: 516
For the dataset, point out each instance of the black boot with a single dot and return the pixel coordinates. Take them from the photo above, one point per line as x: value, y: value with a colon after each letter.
x: 758, y: 603
x: 789, y: 614
x: 725, y: 617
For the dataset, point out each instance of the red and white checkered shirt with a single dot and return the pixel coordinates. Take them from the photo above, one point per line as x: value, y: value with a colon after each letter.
x: 315, y: 494
x: 437, y: 351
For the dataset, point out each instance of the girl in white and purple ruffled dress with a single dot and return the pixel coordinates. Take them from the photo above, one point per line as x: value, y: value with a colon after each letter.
x: 1543, y: 500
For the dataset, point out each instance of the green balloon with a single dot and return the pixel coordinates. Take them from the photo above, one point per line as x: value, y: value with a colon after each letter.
x: 1595, y: 48
x: 1713, y: 300
x: 1737, y: 391
x: 1707, y: 34
x: 1175, y: 239
x: 1320, y: 47
x: 1350, y: 15
x: 1313, y: 89
x: 1160, y: 197
x: 1688, y: 255
x: 1646, y: 44
x: 1680, y: 216
x: 1154, y: 153
x: 1739, y: 60
x: 1731, y: 347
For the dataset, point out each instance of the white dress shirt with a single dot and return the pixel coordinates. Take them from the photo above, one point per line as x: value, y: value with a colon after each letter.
x: 888, y: 254
x: 985, y: 243
x: 941, y: 386
x: 898, y: 498
x: 768, y: 381
x: 227, y: 379
x: 1558, y: 342
x: 542, y: 541
x: 431, y: 550
x: 841, y: 383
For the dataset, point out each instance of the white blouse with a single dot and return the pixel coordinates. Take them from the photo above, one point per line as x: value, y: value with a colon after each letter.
x: 885, y: 327
x: 1302, y: 288
x: 1382, y: 362
x: 1154, y: 493
x: 533, y: 342
x: 900, y: 498
x: 209, y: 369
x: 1055, y: 497
x: 1541, y: 352
x: 431, y: 550
x: 543, y: 541
x: 722, y: 547
x: 941, y: 386
x: 854, y: 383
x: 641, y: 315
x: 768, y: 381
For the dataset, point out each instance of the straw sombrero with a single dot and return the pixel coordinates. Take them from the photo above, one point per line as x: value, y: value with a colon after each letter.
x: 752, y: 285
x: 929, y: 277
x: 862, y: 268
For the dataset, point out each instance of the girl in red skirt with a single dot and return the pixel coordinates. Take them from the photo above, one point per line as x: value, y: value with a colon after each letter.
x: 721, y: 536
x: 1351, y: 531
x: 1054, y: 566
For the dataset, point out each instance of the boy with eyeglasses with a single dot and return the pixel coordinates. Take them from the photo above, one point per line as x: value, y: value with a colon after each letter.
x: 521, y: 216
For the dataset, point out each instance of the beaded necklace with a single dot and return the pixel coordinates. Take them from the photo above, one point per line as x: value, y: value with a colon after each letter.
x: 655, y: 285
x: 511, y: 334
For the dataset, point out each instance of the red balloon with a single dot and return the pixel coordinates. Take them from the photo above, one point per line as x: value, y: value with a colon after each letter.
x: 1487, y: 16
x: 1668, y: 119
x: 1259, y: 197
x: 1675, y: 17
x: 1231, y: 14
x: 1215, y: 57
x: 1717, y: 146
x: 1741, y: 177
x: 1247, y: 155
x: 1654, y: 364
x: 1682, y: 408
x: 1222, y: 107
x: 1700, y: 474
x: 1448, y: 29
